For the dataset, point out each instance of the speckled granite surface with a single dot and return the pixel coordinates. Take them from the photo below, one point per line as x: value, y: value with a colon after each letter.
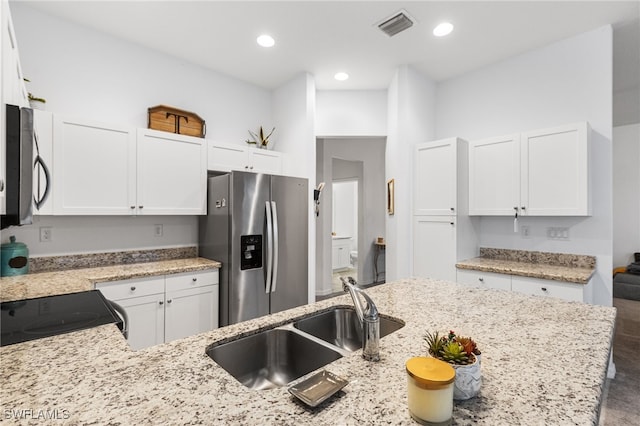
x: 71, y: 281
x: 96, y: 379
x: 550, y: 266
x: 91, y: 260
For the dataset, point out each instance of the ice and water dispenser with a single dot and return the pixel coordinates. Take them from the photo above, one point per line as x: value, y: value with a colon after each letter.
x: 250, y: 251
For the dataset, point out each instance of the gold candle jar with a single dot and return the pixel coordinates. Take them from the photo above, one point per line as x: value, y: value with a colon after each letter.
x: 430, y: 390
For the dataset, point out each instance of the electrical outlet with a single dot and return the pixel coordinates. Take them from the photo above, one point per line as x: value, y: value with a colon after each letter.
x: 558, y: 233
x: 45, y: 234
x: 157, y: 230
x: 525, y: 231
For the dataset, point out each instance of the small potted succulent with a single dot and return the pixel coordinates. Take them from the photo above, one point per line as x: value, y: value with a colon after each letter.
x: 463, y: 355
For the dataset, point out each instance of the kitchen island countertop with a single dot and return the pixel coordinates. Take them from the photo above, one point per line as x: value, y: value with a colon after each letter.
x: 544, y: 361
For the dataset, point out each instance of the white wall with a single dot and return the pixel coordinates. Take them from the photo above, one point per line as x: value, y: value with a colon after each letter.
x: 411, y: 119
x: 626, y: 193
x: 293, y: 106
x: 564, y: 82
x: 84, y: 73
x: 351, y: 113
x: 97, y: 234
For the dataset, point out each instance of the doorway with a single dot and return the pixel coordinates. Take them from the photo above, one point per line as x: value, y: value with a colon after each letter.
x: 344, y: 235
x: 357, y: 219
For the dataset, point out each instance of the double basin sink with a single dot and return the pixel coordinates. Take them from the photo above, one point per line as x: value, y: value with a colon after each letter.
x: 273, y: 358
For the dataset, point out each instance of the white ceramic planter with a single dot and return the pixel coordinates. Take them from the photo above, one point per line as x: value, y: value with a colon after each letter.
x: 36, y: 105
x: 468, y: 380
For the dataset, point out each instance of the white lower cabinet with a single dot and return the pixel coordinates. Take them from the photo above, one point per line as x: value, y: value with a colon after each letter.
x: 484, y: 279
x: 434, y: 247
x: 165, y: 308
x: 340, y: 249
x: 561, y: 290
x: 532, y: 286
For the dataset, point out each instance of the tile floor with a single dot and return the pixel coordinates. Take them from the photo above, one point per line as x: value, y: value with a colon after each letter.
x: 622, y: 404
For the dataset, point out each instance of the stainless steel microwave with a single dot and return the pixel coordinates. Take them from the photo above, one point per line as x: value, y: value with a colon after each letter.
x: 21, y: 164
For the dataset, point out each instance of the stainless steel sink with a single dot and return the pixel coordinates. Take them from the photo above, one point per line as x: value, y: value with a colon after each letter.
x: 271, y: 358
x: 340, y: 327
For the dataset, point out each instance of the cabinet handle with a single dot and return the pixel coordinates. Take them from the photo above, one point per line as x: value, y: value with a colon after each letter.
x: 453, y: 209
x: 194, y: 279
x: 133, y: 288
x: 251, y: 168
x: 140, y: 207
x: 161, y: 302
x: 451, y: 223
x: 169, y: 301
x: 523, y: 208
x: 481, y: 279
x: 1, y: 185
x: 246, y: 167
x: 133, y: 207
x: 543, y: 288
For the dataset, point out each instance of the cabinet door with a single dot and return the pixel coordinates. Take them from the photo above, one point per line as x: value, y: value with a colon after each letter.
x: 226, y: 157
x: 340, y: 254
x: 146, y: 320
x: 482, y: 279
x: 95, y: 168
x: 434, y: 247
x: 190, y: 312
x: 555, y: 171
x: 538, y: 287
x: 494, y: 176
x: 171, y: 174
x: 43, y: 129
x: 263, y: 161
x: 435, y: 181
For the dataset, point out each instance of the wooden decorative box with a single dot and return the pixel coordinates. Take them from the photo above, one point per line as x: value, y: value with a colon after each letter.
x: 174, y: 120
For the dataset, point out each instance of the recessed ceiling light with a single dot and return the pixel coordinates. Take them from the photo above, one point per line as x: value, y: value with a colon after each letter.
x: 443, y: 29
x: 266, y: 41
x: 341, y: 76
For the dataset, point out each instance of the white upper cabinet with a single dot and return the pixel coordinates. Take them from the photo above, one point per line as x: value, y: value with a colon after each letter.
x: 94, y: 168
x: 14, y: 91
x: 555, y: 171
x: 535, y: 173
x: 226, y: 157
x: 494, y: 175
x: 436, y: 174
x: 171, y: 174
x: 112, y: 170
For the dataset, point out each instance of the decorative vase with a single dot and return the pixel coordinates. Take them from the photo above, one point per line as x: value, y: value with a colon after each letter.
x: 468, y: 380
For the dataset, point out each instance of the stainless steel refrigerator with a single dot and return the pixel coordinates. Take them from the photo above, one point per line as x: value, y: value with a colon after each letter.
x: 257, y: 226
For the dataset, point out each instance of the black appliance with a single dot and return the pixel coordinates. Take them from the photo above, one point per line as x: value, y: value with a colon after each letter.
x: 30, y: 319
x: 21, y: 139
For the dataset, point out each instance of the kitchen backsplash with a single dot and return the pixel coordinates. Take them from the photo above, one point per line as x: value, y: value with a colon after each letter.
x: 92, y: 260
x: 560, y: 259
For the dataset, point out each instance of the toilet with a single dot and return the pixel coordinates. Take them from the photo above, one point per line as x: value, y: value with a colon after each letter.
x: 353, y: 257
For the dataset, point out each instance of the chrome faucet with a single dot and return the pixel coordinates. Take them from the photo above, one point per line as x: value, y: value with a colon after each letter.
x: 369, y: 320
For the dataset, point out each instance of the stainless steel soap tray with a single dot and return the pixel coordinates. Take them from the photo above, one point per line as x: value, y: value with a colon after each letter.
x: 317, y: 388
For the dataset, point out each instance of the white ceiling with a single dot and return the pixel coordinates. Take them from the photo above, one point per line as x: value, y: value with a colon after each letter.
x: 323, y: 37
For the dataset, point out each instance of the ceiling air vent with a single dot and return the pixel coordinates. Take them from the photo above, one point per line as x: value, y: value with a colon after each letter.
x: 396, y: 23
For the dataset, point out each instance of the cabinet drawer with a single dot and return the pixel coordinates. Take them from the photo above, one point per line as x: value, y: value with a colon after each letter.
x: 194, y: 279
x: 483, y: 279
x: 118, y: 290
x: 538, y: 287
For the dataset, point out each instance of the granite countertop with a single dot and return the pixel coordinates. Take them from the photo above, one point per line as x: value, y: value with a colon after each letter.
x: 529, y: 377
x: 71, y: 281
x: 549, y: 266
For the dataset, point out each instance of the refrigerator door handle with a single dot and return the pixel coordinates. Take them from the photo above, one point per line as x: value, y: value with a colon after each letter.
x: 274, y: 212
x: 269, y: 246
